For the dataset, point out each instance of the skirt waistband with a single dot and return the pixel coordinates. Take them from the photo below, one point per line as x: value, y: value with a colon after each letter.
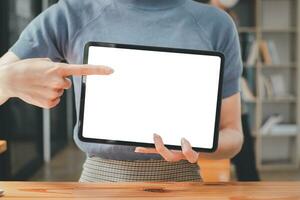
x: 96, y: 169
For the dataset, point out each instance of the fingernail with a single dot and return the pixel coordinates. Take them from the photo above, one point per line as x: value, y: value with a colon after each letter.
x: 183, y: 140
x: 109, y: 70
x: 155, y: 136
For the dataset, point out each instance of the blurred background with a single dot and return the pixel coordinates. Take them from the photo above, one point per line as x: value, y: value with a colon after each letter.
x: 40, y: 145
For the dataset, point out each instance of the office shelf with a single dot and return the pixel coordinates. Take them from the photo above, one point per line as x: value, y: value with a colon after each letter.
x: 278, y: 21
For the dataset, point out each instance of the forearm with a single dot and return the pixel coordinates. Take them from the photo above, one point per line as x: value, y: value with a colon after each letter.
x: 4, y: 96
x: 230, y: 144
x: 6, y: 59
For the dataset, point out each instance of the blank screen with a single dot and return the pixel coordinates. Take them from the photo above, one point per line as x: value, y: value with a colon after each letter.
x: 172, y: 94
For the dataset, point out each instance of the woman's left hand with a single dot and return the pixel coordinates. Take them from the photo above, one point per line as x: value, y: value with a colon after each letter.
x: 187, y: 153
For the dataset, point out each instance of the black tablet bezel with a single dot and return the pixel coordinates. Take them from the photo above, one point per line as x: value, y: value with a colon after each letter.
x: 150, y: 48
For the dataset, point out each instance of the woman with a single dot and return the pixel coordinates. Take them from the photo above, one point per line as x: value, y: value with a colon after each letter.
x: 61, y: 32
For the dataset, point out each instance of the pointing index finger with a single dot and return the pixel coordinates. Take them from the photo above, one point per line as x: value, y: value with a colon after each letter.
x: 81, y: 70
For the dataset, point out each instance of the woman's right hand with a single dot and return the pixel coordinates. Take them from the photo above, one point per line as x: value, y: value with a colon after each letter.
x: 40, y: 81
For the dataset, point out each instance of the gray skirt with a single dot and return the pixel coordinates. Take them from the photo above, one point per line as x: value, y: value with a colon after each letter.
x: 96, y: 169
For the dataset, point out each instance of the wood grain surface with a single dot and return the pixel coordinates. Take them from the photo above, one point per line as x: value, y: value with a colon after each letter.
x: 2, y: 146
x: 200, y: 191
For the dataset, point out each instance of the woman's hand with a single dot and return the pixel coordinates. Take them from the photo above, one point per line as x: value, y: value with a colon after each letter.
x: 41, y: 82
x: 187, y: 152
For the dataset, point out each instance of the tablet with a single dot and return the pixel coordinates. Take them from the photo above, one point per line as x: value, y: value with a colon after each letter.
x: 172, y: 92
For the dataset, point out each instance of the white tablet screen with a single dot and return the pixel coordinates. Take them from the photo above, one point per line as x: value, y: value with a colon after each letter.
x: 172, y: 94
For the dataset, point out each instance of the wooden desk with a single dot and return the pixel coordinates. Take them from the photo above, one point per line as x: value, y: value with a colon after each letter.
x: 230, y: 191
x: 2, y: 146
